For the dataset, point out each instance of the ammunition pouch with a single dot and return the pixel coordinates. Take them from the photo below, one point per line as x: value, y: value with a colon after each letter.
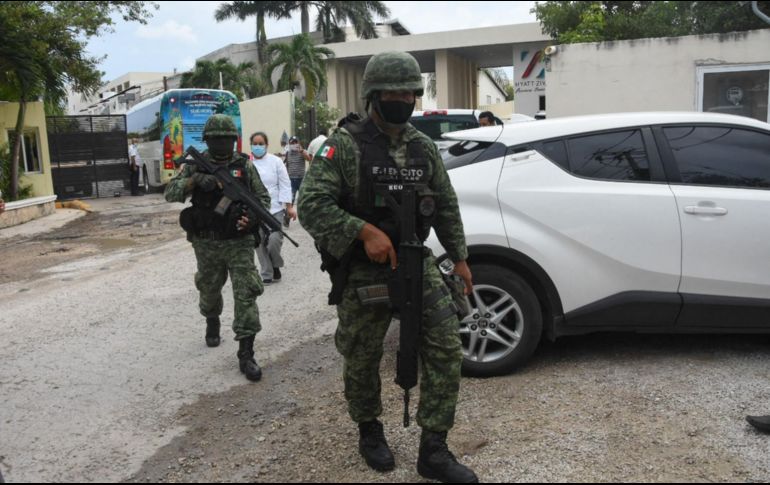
x: 338, y: 270
x: 456, y: 287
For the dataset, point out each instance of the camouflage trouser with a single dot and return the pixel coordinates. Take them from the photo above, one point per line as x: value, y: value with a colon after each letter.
x: 215, y: 260
x: 360, y: 334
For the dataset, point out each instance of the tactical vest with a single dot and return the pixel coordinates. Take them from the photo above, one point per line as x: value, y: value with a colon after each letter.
x: 377, y: 169
x: 202, y: 221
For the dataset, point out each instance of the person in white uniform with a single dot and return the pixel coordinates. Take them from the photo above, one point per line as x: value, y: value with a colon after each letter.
x: 274, y: 176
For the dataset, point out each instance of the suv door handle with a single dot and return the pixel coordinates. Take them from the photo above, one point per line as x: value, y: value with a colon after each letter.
x: 519, y: 157
x: 705, y: 210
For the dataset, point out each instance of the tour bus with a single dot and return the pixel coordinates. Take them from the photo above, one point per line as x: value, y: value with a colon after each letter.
x: 170, y: 122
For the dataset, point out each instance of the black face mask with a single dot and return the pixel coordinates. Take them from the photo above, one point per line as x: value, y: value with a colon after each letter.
x: 220, y: 147
x: 394, y: 112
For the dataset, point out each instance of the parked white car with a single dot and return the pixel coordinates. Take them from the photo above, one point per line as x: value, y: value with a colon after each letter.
x: 435, y: 123
x: 644, y: 222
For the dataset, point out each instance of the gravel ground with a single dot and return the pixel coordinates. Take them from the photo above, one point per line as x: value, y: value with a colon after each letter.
x: 601, y: 408
x: 97, y: 386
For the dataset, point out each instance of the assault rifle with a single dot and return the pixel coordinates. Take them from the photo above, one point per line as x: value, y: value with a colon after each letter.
x: 234, y: 191
x: 405, y: 286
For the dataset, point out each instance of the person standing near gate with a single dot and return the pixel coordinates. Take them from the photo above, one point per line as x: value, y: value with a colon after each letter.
x: 135, y: 165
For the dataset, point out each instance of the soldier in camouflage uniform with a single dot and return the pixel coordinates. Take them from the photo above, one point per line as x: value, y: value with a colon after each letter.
x: 223, y: 243
x: 349, y: 224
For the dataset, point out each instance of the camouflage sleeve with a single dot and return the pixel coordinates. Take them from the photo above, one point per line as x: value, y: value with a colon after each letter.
x: 178, y: 188
x: 257, y: 187
x: 448, y: 223
x: 320, y: 197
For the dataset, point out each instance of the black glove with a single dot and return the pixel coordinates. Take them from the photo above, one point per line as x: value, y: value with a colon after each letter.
x: 205, y: 181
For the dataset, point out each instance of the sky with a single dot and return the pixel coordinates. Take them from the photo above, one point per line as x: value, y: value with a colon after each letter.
x: 180, y: 32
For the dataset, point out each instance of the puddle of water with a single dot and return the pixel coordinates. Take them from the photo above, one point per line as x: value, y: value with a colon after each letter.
x: 110, y: 243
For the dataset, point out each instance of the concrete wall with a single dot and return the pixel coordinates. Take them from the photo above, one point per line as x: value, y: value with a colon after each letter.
x: 42, y: 182
x: 457, y: 81
x: 488, y: 89
x: 644, y: 74
x: 272, y: 114
x: 501, y: 110
x: 344, y: 86
x: 485, y: 88
x: 528, y: 87
x: 26, y: 210
x: 148, y: 82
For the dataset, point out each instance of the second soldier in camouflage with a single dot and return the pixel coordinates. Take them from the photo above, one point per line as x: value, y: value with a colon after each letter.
x: 223, y: 243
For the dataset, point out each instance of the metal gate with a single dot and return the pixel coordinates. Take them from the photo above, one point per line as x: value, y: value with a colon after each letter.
x: 89, y: 155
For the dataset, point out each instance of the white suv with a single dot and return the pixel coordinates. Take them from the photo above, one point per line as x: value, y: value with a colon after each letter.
x: 437, y: 122
x: 646, y: 222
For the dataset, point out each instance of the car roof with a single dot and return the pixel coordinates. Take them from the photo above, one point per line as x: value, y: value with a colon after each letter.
x: 514, y: 134
x: 449, y: 112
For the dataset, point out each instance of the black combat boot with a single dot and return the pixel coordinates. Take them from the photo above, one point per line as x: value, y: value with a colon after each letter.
x: 248, y: 365
x: 212, y: 331
x: 374, y: 448
x: 436, y: 462
x: 762, y: 423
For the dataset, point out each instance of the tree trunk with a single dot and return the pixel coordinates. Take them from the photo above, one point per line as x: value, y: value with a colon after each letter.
x: 261, y: 40
x: 17, y: 146
x: 305, y: 19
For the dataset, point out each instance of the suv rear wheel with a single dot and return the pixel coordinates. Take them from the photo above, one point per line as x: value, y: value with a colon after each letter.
x: 504, y: 326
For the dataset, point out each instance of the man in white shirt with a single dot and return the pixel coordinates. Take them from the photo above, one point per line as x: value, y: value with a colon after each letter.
x: 317, y: 142
x: 135, y: 165
x: 274, y: 176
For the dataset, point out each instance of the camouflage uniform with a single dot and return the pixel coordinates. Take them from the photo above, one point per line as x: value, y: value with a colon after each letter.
x: 361, y: 329
x: 217, y: 258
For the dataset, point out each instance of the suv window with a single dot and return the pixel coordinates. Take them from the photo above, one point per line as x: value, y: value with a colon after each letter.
x: 618, y: 155
x: 554, y: 151
x: 726, y: 156
x: 467, y: 152
x: 436, y: 125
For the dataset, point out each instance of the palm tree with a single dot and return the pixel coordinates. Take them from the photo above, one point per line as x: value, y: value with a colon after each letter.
x: 243, y: 79
x: 333, y: 15
x: 261, y: 10
x: 304, y: 9
x: 300, y: 58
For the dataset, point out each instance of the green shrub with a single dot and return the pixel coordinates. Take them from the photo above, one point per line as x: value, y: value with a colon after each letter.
x: 25, y: 191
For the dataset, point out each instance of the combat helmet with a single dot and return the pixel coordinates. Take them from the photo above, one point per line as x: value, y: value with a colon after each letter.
x: 220, y: 125
x: 392, y: 71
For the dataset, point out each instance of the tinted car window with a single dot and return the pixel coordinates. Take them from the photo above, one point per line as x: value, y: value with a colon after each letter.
x: 618, y: 155
x: 436, y: 125
x: 465, y: 153
x: 555, y: 151
x: 723, y: 156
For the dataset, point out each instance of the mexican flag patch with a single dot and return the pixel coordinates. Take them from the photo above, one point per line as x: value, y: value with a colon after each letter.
x: 327, y: 152
x: 237, y: 173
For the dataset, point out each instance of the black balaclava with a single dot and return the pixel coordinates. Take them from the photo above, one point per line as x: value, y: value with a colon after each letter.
x: 395, y: 114
x: 220, y: 147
